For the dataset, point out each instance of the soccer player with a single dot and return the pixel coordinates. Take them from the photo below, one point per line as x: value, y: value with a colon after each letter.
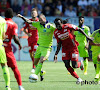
x: 82, y: 48
x: 11, y: 32
x: 66, y: 39
x: 32, y: 36
x: 45, y: 30
x: 3, y: 60
x: 95, y: 48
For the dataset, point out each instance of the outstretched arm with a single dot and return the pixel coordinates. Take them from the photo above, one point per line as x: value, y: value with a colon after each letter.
x: 25, y: 19
x: 94, y: 44
x: 81, y: 31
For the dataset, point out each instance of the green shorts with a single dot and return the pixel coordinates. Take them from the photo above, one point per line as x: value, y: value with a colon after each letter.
x: 83, y: 52
x: 42, y: 51
x: 95, y: 55
x: 2, y: 55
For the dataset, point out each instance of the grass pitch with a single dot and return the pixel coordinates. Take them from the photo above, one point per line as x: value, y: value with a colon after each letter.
x: 56, y: 78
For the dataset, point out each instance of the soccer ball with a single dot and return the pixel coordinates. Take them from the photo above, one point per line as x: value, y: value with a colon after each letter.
x: 33, y: 78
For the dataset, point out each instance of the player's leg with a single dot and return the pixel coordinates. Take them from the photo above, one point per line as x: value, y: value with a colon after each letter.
x: 85, y: 65
x: 4, y: 66
x: 12, y: 63
x: 98, y: 68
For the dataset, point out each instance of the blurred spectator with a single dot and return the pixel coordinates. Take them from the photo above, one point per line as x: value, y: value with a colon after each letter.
x: 93, y: 13
x: 20, y: 2
x: 26, y: 9
x: 47, y: 11
x: 57, y: 12
x: 82, y: 3
x: 59, y: 5
x: 3, y: 6
x: 93, y: 3
x: 73, y: 3
x: 16, y: 8
x: 70, y: 12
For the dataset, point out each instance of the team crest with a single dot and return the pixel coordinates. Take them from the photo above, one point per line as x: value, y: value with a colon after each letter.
x: 48, y: 26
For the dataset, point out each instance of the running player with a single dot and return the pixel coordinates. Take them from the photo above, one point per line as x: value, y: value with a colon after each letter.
x: 65, y: 37
x: 95, y: 48
x: 3, y: 60
x: 45, y: 30
x: 32, y: 36
x: 83, y: 52
x: 11, y: 32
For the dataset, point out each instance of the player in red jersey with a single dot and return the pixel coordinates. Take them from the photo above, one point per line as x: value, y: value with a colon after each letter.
x: 32, y: 36
x: 66, y: 39
x: 11, y: 33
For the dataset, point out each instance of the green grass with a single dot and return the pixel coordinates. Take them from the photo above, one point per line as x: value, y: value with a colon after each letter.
x: 56, y: 78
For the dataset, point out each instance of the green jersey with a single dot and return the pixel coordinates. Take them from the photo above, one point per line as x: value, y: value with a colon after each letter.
x: 96, y: 36
x: 80, y: 37
x: 2, y: 28
x: 45, y: 33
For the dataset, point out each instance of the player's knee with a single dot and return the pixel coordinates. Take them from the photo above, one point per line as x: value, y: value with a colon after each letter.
x: 99, y: 57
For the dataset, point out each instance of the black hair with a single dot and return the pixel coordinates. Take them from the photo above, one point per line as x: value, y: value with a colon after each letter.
x: 57, y: 20
x: 81, y: 17
x: 9, y: 13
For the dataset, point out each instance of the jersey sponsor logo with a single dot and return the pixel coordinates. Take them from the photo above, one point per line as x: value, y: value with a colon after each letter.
x: 9, y: 22
x: 65, y: 26
x: 65, y: 30
x: 44, y: 30
x: 63, y: 54
x: 63, y: 36
x: 56, y: 32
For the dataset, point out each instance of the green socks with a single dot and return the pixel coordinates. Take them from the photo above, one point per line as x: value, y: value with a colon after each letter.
x: 6, y: 75
x: 85, y: 64
x: 97, y: 70
x: 38, y: 68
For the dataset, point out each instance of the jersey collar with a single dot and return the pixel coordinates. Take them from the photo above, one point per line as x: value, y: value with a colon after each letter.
x: 8, y: 19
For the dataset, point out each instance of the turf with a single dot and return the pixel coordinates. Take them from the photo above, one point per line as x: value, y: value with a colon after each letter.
x: 56, y: 78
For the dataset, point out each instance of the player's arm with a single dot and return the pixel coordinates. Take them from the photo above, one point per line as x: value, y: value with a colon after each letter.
x: 57, y: 51
x: 94, y: 44
x: 16, y: 40
x: 25, y: 19
x: 28, y: 34
x: 81, y: 31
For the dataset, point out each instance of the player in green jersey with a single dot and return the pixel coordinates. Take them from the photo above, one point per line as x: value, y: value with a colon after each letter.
x: 96, y: 53
x: 45, y: 31
x: 83, y: 52
x: 3, y: 60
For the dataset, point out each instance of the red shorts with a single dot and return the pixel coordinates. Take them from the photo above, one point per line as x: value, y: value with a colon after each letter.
x: 32, y: 46
x: 11, y: 61
x: 70, y: 55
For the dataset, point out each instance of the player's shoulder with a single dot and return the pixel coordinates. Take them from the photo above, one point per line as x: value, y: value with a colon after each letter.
x: 87, y: 28
x: 2, y: 20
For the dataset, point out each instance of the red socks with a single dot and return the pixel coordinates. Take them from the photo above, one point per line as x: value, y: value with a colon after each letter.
x: 73, y: 73
x: 33, y: 62
x: 17, y: 76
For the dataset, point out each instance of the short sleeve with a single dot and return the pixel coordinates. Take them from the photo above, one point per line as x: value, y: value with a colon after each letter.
x: 88, y: 31
x: 15, y: 29
x: 72, y: 27
x: 53, y: 26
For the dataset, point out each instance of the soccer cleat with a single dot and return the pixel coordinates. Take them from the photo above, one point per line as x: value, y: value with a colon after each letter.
x: 21, y: 88
x: 85, y: 73
x: 82, y: 66
x: 79, y: 80
x: 8, y: 88
x: 33, y: 70
x: 97, y: 76
x: 42, y: 75
x: 68, y: 73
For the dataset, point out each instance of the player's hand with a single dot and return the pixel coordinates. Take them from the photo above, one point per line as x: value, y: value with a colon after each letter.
x: 20, y: 47
x: 29, y: 34
x: 55, y: 59
x: 19, y: 15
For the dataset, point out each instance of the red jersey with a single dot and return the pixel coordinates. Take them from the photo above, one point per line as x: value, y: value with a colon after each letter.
x: 33, y: 31
x: 66, y: 36
x: 12, y: 29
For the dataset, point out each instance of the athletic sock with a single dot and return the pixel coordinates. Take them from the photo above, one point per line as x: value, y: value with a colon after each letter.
x: 73, y: 73
x: 38, y: 68
x: 85, y: 64
x: 33, y: 62
x: 6, y: 75
x: 17, y: 75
